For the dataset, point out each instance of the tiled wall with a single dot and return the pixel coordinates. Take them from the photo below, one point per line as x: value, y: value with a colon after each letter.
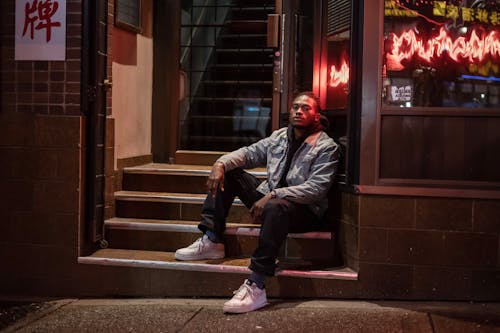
x: 41, y: 154
x: 40, y: 206
x: 41, y: 87
x: 423, y: 247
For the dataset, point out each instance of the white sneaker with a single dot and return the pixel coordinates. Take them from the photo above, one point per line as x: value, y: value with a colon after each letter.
x: 202, y: 248
x: 247, y: 298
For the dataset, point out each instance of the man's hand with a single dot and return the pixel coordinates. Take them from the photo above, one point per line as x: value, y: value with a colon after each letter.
x: 258, y: 207
x: 216, y: 178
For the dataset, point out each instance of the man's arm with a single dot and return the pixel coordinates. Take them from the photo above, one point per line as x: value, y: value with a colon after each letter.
x: 248, y: 157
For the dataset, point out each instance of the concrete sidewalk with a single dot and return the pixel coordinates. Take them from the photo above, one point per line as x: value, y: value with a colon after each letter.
x: 205, y: 315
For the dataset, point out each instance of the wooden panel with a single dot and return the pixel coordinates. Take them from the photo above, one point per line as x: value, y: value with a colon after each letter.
x: 493, y: 154
x: 389, y: 165
x: 454, y: 154
x: 432, y: 157
x: 440, y: 148
x: 474, y: 148
x: 370, y: 85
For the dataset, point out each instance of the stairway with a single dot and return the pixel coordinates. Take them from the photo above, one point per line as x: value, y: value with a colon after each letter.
x: 230, y: 92
x: 157, y: 212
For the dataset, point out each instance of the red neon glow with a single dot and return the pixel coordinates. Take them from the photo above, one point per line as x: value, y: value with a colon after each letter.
x: 473, y: 49
x: 341, y: 76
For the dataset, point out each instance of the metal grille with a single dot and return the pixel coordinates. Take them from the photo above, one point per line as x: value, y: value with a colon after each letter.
x: 339, y: 16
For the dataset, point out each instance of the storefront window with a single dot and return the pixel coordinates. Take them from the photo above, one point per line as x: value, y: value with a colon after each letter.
x: 338, y: 71
x: 338, y: 46
x: 441, y: 53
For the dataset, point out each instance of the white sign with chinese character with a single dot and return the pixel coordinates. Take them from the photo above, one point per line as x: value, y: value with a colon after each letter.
x: 40, y: 30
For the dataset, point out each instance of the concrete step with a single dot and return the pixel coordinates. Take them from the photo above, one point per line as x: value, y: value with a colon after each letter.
x: 240, y: 239
x: 158, y: 212
x: 251, y: 13
x: 171, y: 206
x: 244, y: 56
x: 157, y: 177
x: 243, y: 40
x: 253, y: 3
x: 236, y: 265
x: 246, y: 27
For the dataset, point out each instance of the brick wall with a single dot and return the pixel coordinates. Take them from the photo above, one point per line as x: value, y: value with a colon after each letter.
x: 428, y: 248
x: 41, y: 149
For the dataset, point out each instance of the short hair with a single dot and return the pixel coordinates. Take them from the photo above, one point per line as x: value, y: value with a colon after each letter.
x: 309, y: 94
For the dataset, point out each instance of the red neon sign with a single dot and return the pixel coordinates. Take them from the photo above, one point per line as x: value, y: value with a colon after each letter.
x: 340, y: 76
x: 474, y: 48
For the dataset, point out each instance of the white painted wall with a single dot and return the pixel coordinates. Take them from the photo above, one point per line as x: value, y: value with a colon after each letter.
x: 132, y: 102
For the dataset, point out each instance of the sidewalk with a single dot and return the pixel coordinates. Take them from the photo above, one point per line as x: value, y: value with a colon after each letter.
x: 205, y: 315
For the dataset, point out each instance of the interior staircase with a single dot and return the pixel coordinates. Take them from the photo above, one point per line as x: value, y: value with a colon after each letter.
x: 230, y: 74
x: 158, y: 210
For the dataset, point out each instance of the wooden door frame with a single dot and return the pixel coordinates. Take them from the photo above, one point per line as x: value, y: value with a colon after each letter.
x: 166, y: 74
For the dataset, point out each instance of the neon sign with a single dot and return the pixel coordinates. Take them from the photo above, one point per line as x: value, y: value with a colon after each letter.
x: 441, y: 10
x: 340, y: 76
x: 474, y: 48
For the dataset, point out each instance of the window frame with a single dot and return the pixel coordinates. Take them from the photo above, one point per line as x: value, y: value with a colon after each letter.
x: 135, y: 27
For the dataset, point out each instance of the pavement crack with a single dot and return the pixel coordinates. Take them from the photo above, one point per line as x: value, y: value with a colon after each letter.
x: 190, y: 319
x: 34, y: 317
x: 431, y: 322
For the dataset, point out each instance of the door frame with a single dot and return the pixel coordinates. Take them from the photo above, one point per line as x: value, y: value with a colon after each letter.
x: 166, y: 80
x: 93, y: 104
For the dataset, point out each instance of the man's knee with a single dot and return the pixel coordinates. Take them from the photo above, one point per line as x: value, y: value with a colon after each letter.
x: 232, y: 175
x: 276, y: 208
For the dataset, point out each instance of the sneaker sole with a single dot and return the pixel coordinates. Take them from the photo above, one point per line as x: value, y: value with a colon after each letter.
x: 235, y: 309
x: 182, y: 257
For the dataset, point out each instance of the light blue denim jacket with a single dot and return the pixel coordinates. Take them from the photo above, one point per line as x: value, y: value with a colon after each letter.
x: 311, y: 171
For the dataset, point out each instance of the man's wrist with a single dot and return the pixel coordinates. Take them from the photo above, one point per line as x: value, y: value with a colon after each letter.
x: 220, y: 164
x: 273, y: 194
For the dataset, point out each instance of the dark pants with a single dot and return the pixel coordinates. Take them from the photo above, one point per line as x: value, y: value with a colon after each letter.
x: 279, y: 217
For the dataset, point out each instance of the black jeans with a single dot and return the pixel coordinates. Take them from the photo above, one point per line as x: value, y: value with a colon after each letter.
x: 279, y: 217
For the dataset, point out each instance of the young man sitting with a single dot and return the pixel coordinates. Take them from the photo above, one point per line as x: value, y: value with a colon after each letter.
x: 301, y: 162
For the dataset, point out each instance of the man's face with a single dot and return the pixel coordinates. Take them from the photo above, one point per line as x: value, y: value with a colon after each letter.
x: 304, y: 112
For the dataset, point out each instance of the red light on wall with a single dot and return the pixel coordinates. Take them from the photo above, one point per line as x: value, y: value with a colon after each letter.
x: 340, y: 76
x: 473, y: 48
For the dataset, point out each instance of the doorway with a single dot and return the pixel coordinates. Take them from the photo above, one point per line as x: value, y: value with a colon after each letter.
x: 226, y: 78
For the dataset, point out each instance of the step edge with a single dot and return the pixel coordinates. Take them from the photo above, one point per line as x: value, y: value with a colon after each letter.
x: 232, y: 50
x: 178, y: 172
x: 213, y: 268
x: 185, y: 266
x: 232, y: 230
x: 167, y: 198
x: 317, y: 274
x: 252, y: 8
x: 246, y: 21
x: 250, y: 82
x: 256, y: 35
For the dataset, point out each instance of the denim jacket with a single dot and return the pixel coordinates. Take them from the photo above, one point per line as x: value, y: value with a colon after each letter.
x: 311, y: 171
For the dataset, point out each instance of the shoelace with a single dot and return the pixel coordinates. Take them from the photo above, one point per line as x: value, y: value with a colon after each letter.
x: 242, y: 291
x: 200, y: 244
x: 197, y: 243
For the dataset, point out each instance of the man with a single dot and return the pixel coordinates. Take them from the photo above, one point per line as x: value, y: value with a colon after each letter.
x: 301, y: 161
